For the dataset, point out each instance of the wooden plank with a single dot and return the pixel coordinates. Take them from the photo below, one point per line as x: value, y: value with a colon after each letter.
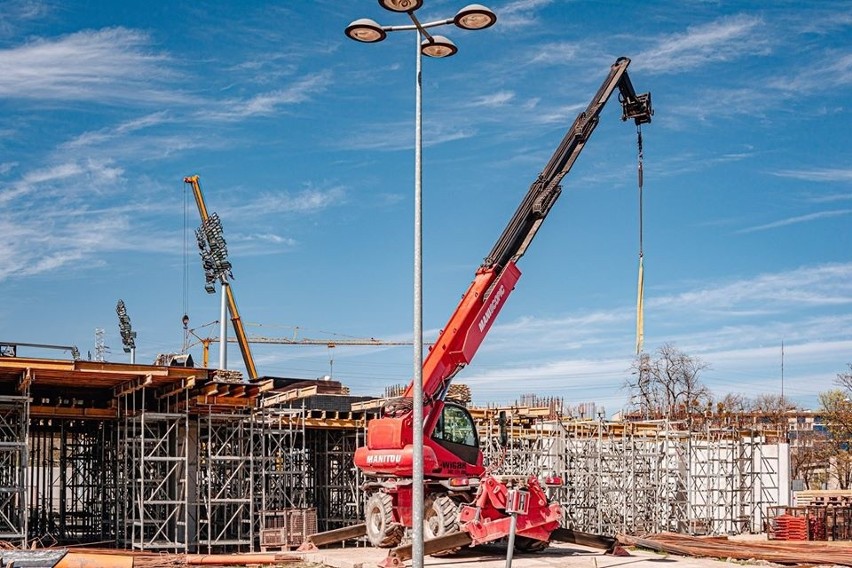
x: 38, y: 411
x: 223, y: 401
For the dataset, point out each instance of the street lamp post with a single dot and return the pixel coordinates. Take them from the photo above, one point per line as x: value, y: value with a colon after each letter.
x: 471, y: 17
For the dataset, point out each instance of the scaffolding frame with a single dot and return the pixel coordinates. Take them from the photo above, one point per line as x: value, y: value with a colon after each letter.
x: 14, y: 429
x: 224, y: 485
x: 281, y: 479
x: 71, y: 481
x: 639, y: 478
x: 154, y: 472
x: 336, y: 482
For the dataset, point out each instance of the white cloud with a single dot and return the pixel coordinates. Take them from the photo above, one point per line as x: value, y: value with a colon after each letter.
x: 109, y: 65
x: 307, y: 201
x: 17, y: 12
x: 572, y: 355
x: 520, y: 13
x: 798, y: 219
x: 107, y: 135
x: 832, y: 71
x: 558, y: 53
x: 268, y: 103
x: 818, y: 174
x: 493, y: 100
x: 726, y: 39
x: 821, y: 285
x: 394, y: 136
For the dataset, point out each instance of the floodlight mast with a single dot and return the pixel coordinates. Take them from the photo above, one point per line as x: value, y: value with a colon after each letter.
x: 128, y: 336
x: 212, y: 225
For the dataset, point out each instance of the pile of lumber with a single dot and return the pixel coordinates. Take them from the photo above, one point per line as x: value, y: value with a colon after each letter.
x: 799, y: 552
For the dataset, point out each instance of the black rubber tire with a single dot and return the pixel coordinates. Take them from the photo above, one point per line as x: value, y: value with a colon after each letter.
x: 526, y: 544
x: 382, y: 530
x: 440, y: 517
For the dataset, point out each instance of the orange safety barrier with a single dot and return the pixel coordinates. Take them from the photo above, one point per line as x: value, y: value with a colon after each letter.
x: 89, y: 560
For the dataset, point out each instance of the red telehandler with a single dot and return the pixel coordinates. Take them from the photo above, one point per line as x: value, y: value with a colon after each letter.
x: 464, y: 502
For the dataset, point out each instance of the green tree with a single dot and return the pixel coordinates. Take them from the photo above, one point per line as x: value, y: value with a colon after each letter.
x: 836, y: 410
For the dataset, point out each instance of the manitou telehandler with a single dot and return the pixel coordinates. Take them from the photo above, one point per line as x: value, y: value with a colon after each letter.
x: 461, y: 496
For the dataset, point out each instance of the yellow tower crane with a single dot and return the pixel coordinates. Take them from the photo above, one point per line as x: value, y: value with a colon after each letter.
x: 330, y: 343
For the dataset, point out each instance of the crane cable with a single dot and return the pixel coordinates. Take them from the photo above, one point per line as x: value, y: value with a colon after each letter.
x: 185, y: 319
x: 640, y: 294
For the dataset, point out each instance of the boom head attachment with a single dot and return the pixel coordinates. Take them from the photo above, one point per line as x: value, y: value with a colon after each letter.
x: 638, y: 108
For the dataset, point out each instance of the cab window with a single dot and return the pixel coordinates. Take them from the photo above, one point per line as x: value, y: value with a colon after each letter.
x: 455, y: 426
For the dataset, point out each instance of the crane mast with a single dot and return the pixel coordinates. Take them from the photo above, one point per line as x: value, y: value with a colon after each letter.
x: 237, y: 323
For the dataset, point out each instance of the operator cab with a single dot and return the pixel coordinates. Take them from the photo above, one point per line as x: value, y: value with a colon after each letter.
x: 457, y: 432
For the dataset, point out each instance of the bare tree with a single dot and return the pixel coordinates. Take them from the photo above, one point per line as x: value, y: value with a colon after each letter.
x: 669, y: 385
x: 773, y: 410
x: 843, y: 468
x: 733, y: 403
x: 809, y: 457
x: 731, y: 409
x: 845, y: 379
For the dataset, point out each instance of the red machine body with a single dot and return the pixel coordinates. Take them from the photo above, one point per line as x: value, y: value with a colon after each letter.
x: 460, y: 493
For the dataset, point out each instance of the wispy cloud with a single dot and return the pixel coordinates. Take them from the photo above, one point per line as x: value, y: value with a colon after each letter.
x: 832, y: 198
x: 493, y: 100
x: 17, y: 12
x: 818, y: 174
x: 32, y: 179
x: 310, y: 200
x: 728, y: 329
x: 810, y: 217
x: 825, y: 285
x: 743, y: 305
x: 726, y: 39
x: 831, y: 71
x: 51, y: 246
x: 66, y: 215
x: 393, y: 136
x: 263, y: 104
x: 109, y: 66
x: 558, y: 53
x: 520, y: 13
x: 563, y: 114
x: 106, y: 135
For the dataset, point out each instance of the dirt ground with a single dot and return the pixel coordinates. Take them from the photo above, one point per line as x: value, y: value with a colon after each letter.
x: 557, y: 555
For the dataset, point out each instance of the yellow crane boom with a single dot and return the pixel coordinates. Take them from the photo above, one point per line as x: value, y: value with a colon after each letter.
x: 239, y: 329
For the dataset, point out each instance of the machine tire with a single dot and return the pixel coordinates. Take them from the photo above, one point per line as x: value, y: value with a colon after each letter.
x: 440, y: 517
x: 382, y: 530
x: 527, y: 545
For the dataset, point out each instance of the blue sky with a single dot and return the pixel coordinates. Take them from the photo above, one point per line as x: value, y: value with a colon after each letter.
x: 303, y: 141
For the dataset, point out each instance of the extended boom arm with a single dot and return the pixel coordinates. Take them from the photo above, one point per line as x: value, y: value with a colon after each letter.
x: 544, y: 191
x: 496, y: 277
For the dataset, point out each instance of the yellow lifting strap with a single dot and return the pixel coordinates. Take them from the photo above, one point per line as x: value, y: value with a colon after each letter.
x: 640, y: 293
